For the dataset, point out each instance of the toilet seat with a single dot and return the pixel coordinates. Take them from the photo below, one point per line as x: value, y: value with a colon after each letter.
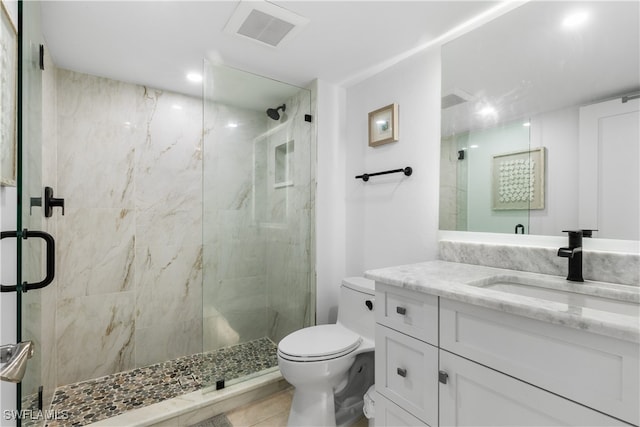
x: 318, y: 343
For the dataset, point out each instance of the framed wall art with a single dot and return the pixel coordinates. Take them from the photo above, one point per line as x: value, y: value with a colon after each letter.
x: 8, y: 98
x: 383, y: 125
x: 518, y: 180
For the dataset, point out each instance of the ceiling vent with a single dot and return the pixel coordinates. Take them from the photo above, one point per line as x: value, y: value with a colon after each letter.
x: 264, y: 22
x: 456, y: 97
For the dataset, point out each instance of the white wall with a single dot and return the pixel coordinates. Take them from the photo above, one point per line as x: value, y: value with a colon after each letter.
x: 393, y: 219
x: 330, y: 199
x: 557, y: 131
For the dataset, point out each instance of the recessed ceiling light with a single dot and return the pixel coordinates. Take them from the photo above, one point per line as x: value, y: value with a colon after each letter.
x: 487, y: 111
x: 473, y: 146
x: 176, y: 107
x: 575, y: 20
x: 526, y: 124
x: 194, y: 77
x: 232, y: 125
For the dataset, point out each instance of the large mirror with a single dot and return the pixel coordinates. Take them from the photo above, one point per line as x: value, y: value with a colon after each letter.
x: 540, y: 122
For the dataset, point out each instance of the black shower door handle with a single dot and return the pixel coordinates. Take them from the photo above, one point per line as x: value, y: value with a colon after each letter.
x: 51, y: 259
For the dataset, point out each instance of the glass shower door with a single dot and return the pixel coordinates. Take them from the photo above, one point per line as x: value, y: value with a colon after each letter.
x: 257, y: 217
x: 35, y: 313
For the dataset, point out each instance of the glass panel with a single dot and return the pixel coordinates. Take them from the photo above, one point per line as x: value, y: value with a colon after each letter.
x: 30, y: 189
x: 257, y: 215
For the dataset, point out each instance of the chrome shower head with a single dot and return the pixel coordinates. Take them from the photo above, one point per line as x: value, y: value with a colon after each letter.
x: 273, y: 112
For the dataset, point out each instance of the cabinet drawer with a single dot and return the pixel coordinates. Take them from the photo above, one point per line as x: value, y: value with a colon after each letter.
x: 388, y: 414
x: 413, y: 313
x: 478, y: 396
x: 407, y: 373
x: 594, y: 370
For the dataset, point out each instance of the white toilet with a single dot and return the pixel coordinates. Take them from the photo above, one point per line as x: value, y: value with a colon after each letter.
x: 320, y: 361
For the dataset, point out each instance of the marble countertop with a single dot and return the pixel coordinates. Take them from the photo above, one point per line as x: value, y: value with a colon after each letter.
x: 464, y: 283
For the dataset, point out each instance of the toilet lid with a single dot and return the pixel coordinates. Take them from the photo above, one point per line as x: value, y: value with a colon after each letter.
x: 322, y: 341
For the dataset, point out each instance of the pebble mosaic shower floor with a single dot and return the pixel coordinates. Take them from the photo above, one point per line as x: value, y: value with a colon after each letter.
x: 93, y: 400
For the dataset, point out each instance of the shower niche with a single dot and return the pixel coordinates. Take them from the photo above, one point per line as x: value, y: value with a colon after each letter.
x: 274, y: 175
x: 283, y: 164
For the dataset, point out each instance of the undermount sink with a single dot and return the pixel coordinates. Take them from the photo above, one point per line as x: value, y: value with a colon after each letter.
x: 619, y: 299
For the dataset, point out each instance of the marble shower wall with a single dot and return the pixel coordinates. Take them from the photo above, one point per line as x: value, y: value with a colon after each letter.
x: 129, y: 247
x: 234, y: 291
x: 289, y: 225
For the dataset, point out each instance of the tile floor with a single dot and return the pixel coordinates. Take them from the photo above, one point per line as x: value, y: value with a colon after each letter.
x: 272, y: 411
x: 102, y: 398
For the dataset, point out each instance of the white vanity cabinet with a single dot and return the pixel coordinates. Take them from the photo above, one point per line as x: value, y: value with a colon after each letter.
x: 447, y: 363
x: 406, y: 357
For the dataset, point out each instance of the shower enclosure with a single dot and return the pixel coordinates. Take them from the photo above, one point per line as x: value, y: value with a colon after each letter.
x: 187, y: 235
x: 257, y: 217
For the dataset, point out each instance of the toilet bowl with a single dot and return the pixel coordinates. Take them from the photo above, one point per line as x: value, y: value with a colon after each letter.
x: 318, y: 361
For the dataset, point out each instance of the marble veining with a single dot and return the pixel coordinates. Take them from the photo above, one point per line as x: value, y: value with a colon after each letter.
x: 614, y: 267
x: 128, y: 160
x: 460, y: 282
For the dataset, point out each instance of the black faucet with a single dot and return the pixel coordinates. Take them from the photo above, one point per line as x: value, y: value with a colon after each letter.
x: 574, y: 253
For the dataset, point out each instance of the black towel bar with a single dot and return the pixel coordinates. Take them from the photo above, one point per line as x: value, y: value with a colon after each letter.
x: 365, y: 176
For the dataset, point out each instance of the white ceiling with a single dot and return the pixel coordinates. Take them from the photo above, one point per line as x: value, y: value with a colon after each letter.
x: 156, y: 43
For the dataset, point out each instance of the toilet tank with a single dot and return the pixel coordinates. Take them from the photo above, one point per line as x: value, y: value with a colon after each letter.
x: 353, y: 306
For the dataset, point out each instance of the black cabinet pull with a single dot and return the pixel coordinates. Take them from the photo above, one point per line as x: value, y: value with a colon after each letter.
x: 443, y: 377
x: 369, y: 304
x: 401, y: 310
x: 402, y: 372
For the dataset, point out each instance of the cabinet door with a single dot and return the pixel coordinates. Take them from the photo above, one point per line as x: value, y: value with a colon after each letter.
x: 407, y: 373
x: 388, y: 414
x: 594, y: 370
x: 475, y: 395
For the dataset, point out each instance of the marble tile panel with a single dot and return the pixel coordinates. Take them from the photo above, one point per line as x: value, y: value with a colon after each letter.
x: 97, y: 134
x: 244, y: 258
x: 167, y: 340
x: 217, y: 332
x: 168, y: 284
x: 96, y: 251
x: 231, y: 293
x: 282, y: 324
x: 173, y: 140
x: 48, y: 342
x: 249, y: 324
x: 601, y: 266
x: 169, y: 163
x: 242, y: 303
x: 94, y: 336
x: 32, y: 330
x: 156, y: 227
